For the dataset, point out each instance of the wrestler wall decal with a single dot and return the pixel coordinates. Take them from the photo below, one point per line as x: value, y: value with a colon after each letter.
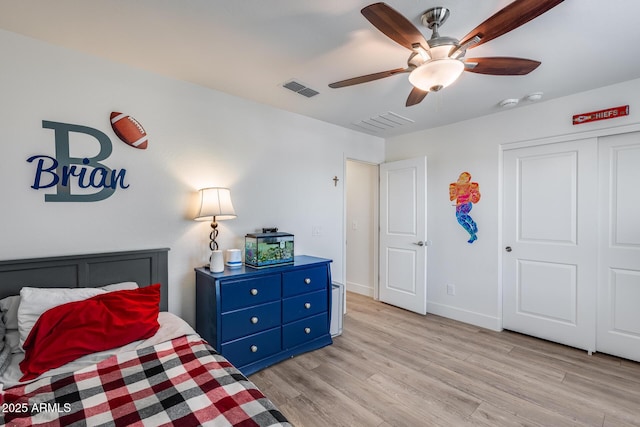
x: 465, y: 193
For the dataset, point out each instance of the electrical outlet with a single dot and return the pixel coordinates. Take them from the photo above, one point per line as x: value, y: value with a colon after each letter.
x: 316, y: 230
x: 451, y: 289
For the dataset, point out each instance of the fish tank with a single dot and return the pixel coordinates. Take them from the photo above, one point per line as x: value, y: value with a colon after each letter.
x: 268, y: 249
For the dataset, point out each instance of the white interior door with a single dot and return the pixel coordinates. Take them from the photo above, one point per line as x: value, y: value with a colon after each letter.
x: 550, y: 250
x: 403, y: 230
x: 619, y: 284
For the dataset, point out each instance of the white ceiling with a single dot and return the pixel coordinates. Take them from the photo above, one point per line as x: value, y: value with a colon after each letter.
x: 249, y: 48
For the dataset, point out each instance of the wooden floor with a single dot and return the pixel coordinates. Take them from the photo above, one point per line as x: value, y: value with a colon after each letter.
x: 391, y: 367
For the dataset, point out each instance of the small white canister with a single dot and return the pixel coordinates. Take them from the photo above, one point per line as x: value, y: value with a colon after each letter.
x: 234, y: 258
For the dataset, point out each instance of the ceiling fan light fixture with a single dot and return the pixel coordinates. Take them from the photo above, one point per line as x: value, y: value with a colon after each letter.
x: 436, y: 74
x: 436, y: 63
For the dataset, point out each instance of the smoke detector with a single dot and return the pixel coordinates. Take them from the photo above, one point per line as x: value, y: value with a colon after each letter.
x: 533, y: 97
x: 508, y: 103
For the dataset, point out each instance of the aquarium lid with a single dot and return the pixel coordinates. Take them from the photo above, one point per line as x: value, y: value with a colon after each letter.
x: 276, y: 234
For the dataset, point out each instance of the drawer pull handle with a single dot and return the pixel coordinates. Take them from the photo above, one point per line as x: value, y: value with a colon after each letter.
x: 307, y: 281
x: 307, y: 330
x: 254, y: 291
x: 254, y: 348
x: 307, y: 305
x: 254, y: 320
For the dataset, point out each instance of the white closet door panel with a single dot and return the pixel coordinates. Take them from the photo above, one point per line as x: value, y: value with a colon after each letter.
x: 549, y: 262
x: 619, y: 280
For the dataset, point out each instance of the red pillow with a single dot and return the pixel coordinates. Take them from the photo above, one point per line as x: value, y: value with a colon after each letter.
x: 69, y: 331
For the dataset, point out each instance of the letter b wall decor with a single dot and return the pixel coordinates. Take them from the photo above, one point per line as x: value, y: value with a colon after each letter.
x: 67, y: 173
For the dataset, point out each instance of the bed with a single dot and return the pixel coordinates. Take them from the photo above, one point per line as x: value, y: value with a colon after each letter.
x: 87, y: 340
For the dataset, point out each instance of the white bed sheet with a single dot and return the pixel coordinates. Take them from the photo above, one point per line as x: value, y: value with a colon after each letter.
x: 171, y: 326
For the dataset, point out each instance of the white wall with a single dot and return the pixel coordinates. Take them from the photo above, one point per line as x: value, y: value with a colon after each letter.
x: 474, y: 146
x: 278, y: 165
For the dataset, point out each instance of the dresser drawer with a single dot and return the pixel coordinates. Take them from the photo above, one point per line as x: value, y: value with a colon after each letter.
x: 304, y: 305
x: 239, y: 323
x: 302, y: 281
x: 235, y: 294
x: 304, y: 330
x: 254, y: 347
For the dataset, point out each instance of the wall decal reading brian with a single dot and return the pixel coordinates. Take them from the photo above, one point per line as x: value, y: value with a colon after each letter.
x: 75, y: 178
x: 465, y: 193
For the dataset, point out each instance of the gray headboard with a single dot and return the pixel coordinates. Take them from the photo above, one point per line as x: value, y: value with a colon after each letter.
x: 145, y: 267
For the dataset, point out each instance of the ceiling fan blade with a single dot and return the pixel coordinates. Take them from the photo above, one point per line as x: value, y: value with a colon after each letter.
x: 501, y: 66
x: 509, y: 18
x: 395, y: 26
x: 416, y: 96
x: 368, y: 78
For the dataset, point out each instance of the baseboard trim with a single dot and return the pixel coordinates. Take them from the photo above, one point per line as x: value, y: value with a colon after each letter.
x: 360, y: 289
x: 473, y: 318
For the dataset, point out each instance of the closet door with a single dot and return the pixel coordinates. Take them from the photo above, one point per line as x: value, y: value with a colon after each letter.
x: 549, y: 242
x: 619, y: 255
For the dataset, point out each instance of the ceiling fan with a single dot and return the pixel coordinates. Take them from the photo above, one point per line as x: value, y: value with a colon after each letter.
x: 438, y: 62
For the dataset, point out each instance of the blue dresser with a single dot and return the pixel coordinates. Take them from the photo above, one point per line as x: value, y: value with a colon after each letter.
x: 258, y: 317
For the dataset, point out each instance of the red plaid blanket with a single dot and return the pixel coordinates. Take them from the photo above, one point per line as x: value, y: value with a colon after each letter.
x: 183, y: 382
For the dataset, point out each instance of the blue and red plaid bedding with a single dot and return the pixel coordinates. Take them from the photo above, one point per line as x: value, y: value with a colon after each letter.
x: 182, y: 382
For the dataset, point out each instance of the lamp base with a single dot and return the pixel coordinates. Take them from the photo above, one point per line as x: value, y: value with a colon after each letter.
x: 213, y: 245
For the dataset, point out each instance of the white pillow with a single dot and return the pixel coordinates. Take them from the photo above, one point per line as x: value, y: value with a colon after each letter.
x: 35, y: 301
x: 124, y: 286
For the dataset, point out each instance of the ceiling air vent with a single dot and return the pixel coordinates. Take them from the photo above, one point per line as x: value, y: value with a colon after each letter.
x: 383, y: 122
x: 300, y: 88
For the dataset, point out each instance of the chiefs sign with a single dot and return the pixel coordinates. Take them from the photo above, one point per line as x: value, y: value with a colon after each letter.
x: 609, y: 113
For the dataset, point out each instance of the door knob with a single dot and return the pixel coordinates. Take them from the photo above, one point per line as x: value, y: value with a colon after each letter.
x: 508, y: 249
x: 420, y: 243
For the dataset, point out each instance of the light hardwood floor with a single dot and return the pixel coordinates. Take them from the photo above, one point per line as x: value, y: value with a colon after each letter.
x: 391, y: 367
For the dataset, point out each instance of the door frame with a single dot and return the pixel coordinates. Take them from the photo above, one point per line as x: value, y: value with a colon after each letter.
x: 376, y: 226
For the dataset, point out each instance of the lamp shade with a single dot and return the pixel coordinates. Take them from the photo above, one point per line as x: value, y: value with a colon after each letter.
x: 215, y: 202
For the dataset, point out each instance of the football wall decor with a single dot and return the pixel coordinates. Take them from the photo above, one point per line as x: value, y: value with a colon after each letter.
x: 129, y: 130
